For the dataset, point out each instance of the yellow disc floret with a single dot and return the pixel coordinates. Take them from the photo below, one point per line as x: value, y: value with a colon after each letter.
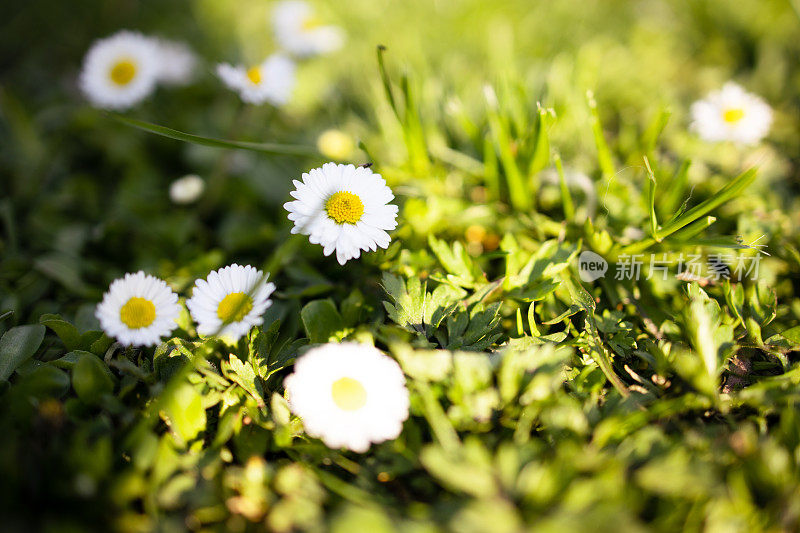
x: 234, y: 307
x: 254, y: 74
x: 311, y: 23
x: 733, y: 115
x: 137, y: 313
x: 348, y: 394
x: 344, y: 207
x: 123, y: 72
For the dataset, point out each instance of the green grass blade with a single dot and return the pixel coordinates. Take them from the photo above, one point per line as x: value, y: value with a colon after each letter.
x: 728, y: 192
x: 387, y: 86
x: 264, y: 148
x: 604, y: 158
x: 651, y: 198
x: 541, y: 152
x: 654, y: 129
x: 566, y: 198
x: 521, y: 199
x: 693, y: 229
x: 675, y: 190
x: 597, y: 350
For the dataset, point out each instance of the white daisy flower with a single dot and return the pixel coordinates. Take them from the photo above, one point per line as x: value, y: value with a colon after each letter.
x: 138, y: 310
x: 230, y: 301
x: 731, y: 114
x: 120, y: 71
x: 349, y: 395
x: 177, y: 62
x: 187, y: 189
x: 343, y: 208
x: 301, y: 33
x: 272, y: 81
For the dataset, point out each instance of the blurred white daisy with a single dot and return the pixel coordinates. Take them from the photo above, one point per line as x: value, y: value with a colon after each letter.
x: 187, y: 189
x: 300, y: 32
x: 731, y: 114
x: 230, y: 301
x: 343, y: 208
x: 120, y: 71
x: 138, y: 310
x: 177, y: 62
x: 271, y: 81
x: 349, y: 395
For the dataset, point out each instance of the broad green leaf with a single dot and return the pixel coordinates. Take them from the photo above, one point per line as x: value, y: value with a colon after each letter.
x: 184, y: 413
x: 17, y: 346
x: 91, y: 378
x: 322, y: 321
x: 68, y: 333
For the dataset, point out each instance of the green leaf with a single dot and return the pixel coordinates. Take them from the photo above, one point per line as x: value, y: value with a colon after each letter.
x: 184, y: 413
x: 243, y: 374
x: 68, y: 333
x: 408, y: 298
x: 91, y: 378
x: 789, y: 339
x: 46, y: 381
x: 595, y: 345
x: 264, y: 148
x: 457, y: 262
x: 322, y: 321
x: 467, y: 470
x: 17, y: 346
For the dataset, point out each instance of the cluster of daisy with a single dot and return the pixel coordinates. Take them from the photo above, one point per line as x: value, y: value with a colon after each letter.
x: 140, y: 310
x: 343, y: 208
x: 300, y: 34
x: 122, y: 70
x: 347, y: 394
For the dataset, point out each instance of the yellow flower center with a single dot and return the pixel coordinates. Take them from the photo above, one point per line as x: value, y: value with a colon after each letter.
x: 311, y: 23
x: 348, y: 394
x: 137, y: 313
x: 344, y: 207
x: 733, y: 115
x: 123, y: 72
x: 254, y: 74
x: 234, y: 307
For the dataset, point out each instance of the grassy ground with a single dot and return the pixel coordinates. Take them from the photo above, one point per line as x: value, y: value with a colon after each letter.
x: 537, y: 400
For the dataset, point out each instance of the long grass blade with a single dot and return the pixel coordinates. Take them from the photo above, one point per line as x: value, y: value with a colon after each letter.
x: 264, y: 148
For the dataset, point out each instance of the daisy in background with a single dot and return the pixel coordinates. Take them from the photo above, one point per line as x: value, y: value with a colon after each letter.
x: 120, y: 71
x: 350, y: 395
x: 177, y: 62
x: 138, y: 310
x: 731, y: 114
x: 271, y: 81
x: 230, y: 301
x: 343, y: 208
x: 299, y: 31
